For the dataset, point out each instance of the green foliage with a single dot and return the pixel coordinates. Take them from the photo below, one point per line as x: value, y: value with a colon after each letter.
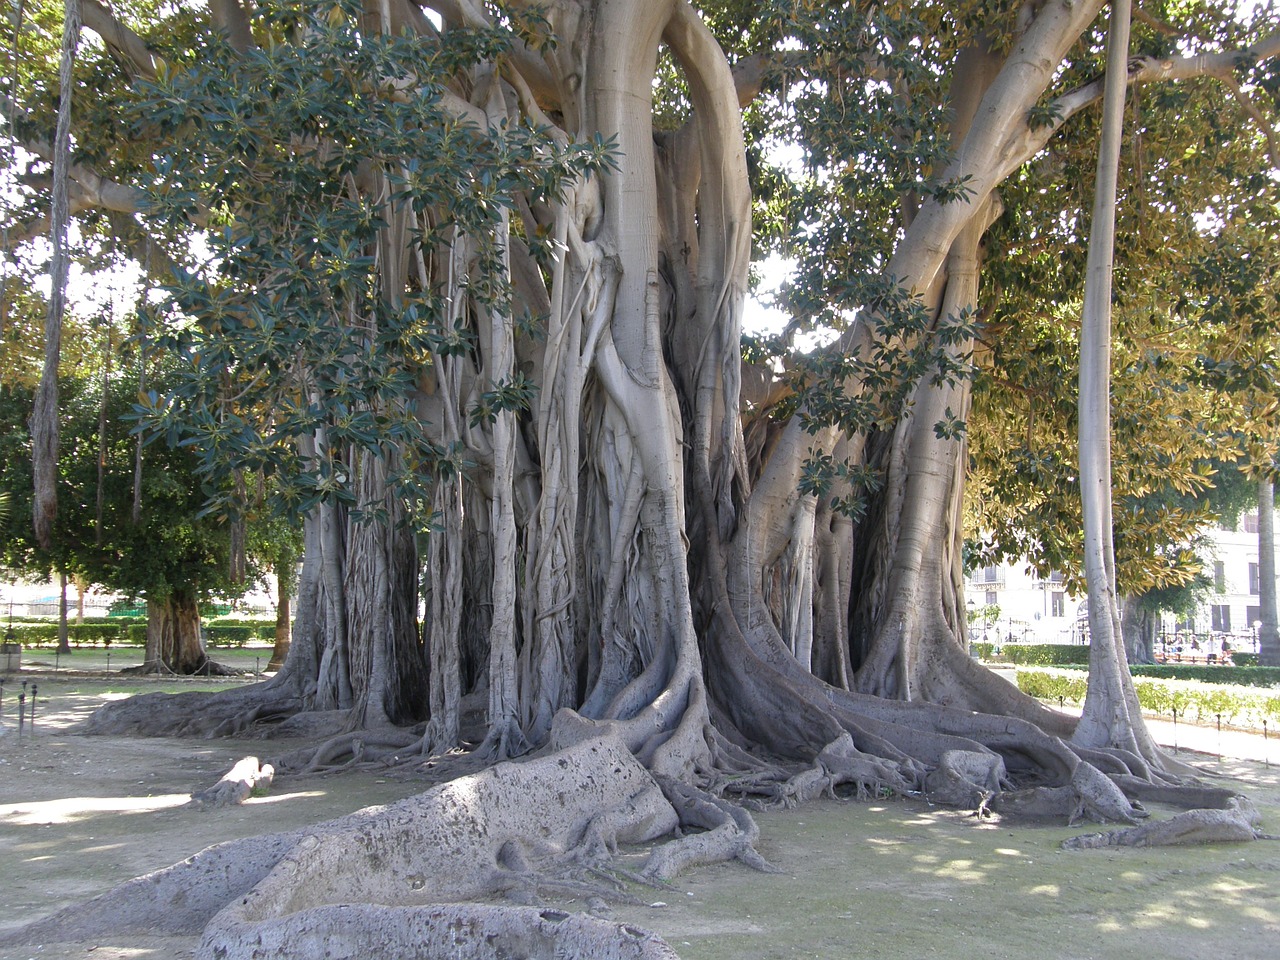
x: 33, y: 634
x: 1052, y: 686
x: 170, y: 547
x: 295, y: 317
x: 1198, y: 702
x: 229, y: 635
x: 1240, y: 674
x: 1044, y: 654
x: 230, y: 632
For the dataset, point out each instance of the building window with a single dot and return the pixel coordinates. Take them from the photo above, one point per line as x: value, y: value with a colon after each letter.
x: 991, y: 598
x: 1219, y: 576
x: 1058, y: 604
x: 1252, y: 615
x: 989, y: 574
x: 1254, y: 579
x: 1220, y: 617
x: 1251, y: 523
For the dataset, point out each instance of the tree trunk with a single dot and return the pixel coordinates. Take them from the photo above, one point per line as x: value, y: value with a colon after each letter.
x: 1111, y: 718
x: 174, y: 644
x: 1268, y: 636
x: 280, y: 651
x: 64, y: 641
x: 1138, y: 627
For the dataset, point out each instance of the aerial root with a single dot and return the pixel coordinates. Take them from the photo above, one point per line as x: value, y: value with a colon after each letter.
x: 1235, y: 823
x: 730, y: 833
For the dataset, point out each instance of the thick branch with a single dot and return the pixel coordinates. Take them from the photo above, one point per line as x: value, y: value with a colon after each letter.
x: 119, y: 38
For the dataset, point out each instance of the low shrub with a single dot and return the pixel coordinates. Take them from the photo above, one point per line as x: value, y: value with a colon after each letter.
x: 1244, y: 659
x: 1238, y: 674
x: 1199, y: 702
x: 46, y: 634
x: 228, y: 635
x: 1044, y: 654
x: 1052, y: 686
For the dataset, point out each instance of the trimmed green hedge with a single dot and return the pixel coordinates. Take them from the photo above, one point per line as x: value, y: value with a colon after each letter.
x: 124, y: 630
x: 1201, y: 673
x: 1200, y: 702
x: 43, y: 634
x: 229, y: 632
x: 1244, y: 659
x: 1239, y: 674
x: 1036, y: 654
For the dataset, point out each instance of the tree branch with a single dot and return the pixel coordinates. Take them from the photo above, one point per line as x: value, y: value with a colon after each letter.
x: 94, y: 190
x: 118, y: 38
x: 229, y: 16
x: 1220, y: 66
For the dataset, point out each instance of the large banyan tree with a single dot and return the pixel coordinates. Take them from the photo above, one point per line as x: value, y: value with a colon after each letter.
x: 462, y: 284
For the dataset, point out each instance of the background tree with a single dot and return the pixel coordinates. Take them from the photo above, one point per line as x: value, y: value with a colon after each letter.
x: 173, y: 556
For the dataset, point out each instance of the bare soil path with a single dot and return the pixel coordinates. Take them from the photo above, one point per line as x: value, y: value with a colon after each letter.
x: 893, y: 879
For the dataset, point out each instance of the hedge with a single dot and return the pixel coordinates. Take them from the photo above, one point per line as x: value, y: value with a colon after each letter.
x: 1200, y: 702
x: 1202, y: 673
x: 1036, y: 654
x: 224, y: 633
x: 40, y: 634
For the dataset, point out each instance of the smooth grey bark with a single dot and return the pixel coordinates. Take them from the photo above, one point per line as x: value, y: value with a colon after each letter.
x: 1138, y: 627
x: 44, y: 416
x: 1111, y: 717
x: 1268, y: 635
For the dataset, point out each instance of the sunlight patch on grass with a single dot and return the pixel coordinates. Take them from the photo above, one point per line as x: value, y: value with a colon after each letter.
x: 299, y: 795
x: 71, y: 809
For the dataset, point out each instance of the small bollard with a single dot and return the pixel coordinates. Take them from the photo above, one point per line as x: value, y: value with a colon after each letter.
x: 22, y: 711
x: 34, y: 690
x: 1175, y: 729
x: 108, y: 661
x: 1219, y: 716
x: 1266, y: 746
x: 257, y: 665
x: 1061, y: 701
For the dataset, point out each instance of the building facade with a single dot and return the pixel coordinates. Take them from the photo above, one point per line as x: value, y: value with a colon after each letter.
x: 1009, y: 603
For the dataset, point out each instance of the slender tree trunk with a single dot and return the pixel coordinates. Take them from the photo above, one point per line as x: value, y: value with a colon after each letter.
x: 44, y: 417
x: 281, y: 649
x: 64, y: 641
x: 1111, y: 716
x: 1268, y: 635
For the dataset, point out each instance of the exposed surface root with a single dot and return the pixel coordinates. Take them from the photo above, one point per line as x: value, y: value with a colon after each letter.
x: 206, y: 668
x: 237, y: 785
x: 474, y: 837
x: 349, y: 750
x: 197, y: 713
x: 1236, y: 823
x: 730, y: 834
x: 458, y: 931
x: 966, y: 778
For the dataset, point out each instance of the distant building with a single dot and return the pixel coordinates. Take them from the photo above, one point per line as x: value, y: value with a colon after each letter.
x: 1038, y: 610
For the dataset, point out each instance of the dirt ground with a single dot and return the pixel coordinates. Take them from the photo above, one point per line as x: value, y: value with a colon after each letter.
x: 896, y: 879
